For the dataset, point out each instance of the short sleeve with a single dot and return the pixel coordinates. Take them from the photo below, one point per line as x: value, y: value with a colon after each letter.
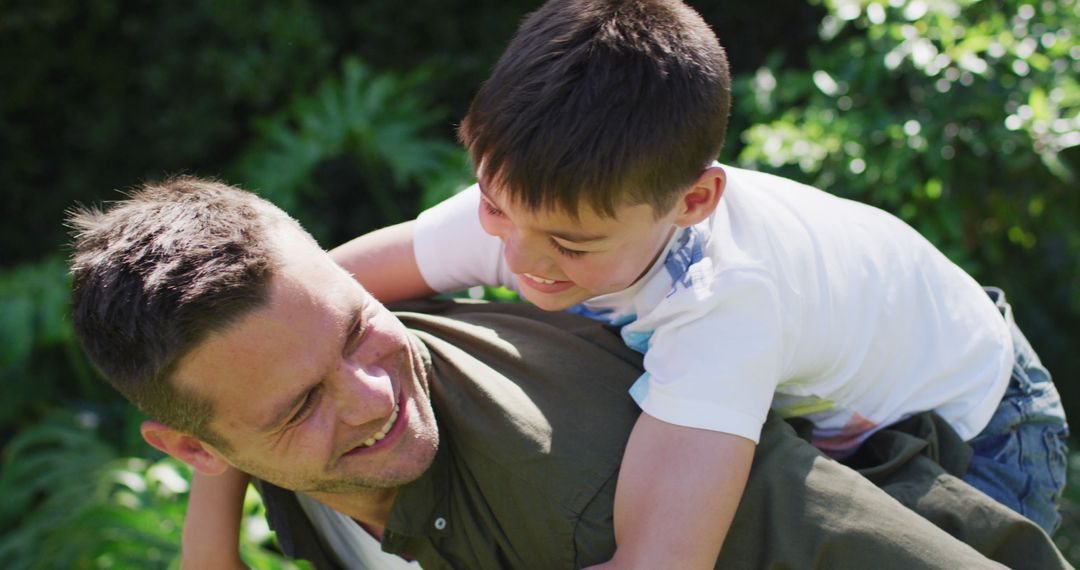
x: 715, y: 359
x: 452, y: 250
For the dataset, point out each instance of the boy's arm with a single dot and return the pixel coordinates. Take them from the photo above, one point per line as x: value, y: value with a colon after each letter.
x: 677, y: 493
x: 384, y: 263
x: 212, y: 524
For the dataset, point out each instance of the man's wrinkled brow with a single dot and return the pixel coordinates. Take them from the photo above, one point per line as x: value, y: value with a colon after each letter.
x: 282, y: 414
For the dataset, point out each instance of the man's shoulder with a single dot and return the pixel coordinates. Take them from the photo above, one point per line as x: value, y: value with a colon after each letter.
x: 533, y: 415
x: 466, y: 322
x: 555, y: 360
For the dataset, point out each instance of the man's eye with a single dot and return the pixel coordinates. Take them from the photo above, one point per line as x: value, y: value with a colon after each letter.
x: 356, y: 337
x: 571, y: 253
x: 305, y: 407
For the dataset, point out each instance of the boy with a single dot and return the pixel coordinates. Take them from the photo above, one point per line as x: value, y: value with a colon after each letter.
x: 593, y: 142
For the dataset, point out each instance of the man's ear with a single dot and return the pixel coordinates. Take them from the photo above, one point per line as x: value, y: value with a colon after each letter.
x: 186, y: 448
x: 700, y: 201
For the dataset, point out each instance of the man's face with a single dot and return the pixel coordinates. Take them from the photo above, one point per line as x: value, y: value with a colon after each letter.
x: 320, y: 390
x: 560, y: 260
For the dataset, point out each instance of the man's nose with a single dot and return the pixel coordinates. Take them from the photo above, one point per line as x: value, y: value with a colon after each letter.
x: 362, y: 393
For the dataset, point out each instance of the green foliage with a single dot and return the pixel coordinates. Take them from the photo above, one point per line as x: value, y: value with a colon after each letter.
x: 378, y: 122
x: 33, y: 301
x: 52, y: 467
x: 1068, y: 538
x: 955, y: 115
x: 36, y: 341
x: 98, y: 95
x: 71, y: 502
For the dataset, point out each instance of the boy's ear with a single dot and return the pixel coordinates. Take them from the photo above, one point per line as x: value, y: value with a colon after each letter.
x: 700, y: 201
x: 186, y: 448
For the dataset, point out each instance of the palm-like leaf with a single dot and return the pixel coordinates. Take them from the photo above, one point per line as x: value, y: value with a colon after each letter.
x: 380, y: 120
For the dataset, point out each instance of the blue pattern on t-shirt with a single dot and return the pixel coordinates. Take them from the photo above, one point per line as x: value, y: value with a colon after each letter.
x: 637, y: 340
x: 603, y: 314
x: 640, y: 389
x: 686, y: 252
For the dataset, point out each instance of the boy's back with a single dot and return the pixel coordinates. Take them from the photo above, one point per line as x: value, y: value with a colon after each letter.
x: 850, y: 316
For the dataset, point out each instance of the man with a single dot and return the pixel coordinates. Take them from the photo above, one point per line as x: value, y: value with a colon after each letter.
x: 485, y: 437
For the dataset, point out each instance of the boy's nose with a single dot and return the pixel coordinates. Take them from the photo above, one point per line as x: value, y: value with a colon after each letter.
x: 523, y: 257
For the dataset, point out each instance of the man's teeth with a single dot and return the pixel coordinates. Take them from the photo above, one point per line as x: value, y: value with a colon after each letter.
x: 382, y: 432
x: 539, y: 279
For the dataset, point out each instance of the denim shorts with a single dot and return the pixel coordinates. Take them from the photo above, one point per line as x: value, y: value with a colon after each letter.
x: 1020, y: 456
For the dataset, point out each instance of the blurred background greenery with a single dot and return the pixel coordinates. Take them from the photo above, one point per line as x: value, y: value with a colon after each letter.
x: 960, y: 116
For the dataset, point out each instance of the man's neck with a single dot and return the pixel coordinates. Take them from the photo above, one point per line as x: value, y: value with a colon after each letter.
x: 369, y: 508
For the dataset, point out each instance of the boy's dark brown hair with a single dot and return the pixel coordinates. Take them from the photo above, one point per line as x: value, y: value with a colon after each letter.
x: 601, y: 102
x: 156, y: 273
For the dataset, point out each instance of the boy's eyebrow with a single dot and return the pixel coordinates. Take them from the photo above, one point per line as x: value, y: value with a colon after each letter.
x: 484, y: 193
x: 576, y: 237
x: 282, y: 414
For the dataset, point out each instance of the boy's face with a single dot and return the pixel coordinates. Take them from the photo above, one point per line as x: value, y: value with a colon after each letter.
x: 560, y: 261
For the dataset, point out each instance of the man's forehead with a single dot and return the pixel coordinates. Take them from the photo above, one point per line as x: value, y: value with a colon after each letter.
x: 245, y: 368
x: 205, y: 372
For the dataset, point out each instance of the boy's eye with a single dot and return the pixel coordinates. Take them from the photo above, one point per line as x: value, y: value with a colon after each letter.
x: 490, y: 209
x: 572, y: 253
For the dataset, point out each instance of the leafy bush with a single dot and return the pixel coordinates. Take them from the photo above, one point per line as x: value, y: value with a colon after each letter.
x: 100, y: 94
x: 376, y: 124
x: 40, y: 361
x: 1068, y: 538
x: 71, y: 502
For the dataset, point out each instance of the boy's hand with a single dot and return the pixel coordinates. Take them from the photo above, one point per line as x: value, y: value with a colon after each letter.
x: 677, y: 493
x: 212, y: 525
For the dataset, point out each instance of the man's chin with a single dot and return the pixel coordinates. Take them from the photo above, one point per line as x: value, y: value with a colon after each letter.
x: 360, y: 486
x: 365, y: 478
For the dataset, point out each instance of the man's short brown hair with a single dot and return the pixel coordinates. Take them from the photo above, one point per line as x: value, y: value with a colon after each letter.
x: 156, y: 273
x: 604, y: 103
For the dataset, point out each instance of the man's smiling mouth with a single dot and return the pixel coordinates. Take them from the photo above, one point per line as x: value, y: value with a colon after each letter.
x: 382, y: 431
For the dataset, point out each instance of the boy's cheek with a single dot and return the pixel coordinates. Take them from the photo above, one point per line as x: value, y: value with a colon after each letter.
x: 487, y: 228
x: 489, y: 224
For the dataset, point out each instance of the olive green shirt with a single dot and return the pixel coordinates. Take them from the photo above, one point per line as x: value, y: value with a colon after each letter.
x: 534, y: 415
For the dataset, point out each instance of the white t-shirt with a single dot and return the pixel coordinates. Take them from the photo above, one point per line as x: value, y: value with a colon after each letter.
x: 786, y: 297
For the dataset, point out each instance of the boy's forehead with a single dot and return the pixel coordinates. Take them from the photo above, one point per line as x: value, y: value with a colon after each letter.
x: 584, y: 212
x: 497, y: 190
x: 554, y: 214
x: 585, y: 225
